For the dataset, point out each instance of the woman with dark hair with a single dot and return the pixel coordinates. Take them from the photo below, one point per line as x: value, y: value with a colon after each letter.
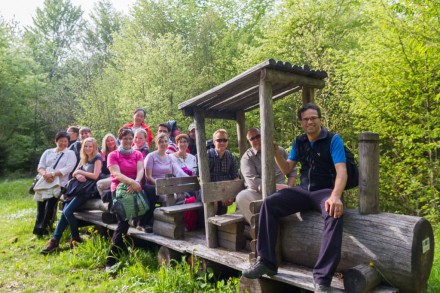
x: 139, y: 116
x: 55, y: 165
x: 87, y: 172
x: 126, y: 166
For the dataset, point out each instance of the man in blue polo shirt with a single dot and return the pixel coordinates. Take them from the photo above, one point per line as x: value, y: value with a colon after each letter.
x: 323, y: 178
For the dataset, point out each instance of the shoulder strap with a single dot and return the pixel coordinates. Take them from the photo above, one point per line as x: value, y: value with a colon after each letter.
x: 54, y: 166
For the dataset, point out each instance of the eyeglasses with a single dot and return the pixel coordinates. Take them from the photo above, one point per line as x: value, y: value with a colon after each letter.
x: 258, y: 136
x: 182, y: 141
x: 311, y: 119
x: 222, y: 140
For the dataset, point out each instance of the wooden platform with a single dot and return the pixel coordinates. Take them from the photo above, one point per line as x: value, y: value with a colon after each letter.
x: 194, y: 243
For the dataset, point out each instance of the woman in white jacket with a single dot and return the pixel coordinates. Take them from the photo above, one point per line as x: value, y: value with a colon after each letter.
x: 55, y: 165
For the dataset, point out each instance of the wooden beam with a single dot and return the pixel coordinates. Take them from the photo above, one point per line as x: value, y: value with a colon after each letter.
x: 204, y: 175
x: 241, y: 132
x: 283, y: 77
x: 267, y: 137
x: 308, y: 95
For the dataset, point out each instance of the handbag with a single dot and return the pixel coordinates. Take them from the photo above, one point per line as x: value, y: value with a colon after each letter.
x: 38, y: 176
x: 129, y: 205
x: 77, y: 188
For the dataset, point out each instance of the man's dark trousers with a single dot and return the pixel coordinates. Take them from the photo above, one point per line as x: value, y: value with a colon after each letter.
x: 292, y: 200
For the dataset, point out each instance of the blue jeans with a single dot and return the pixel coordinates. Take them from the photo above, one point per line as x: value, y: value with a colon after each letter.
x: 68, y: 219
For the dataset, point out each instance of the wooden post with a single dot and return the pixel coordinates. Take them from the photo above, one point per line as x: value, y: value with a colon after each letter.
x: 267, y: 130
x: 204, y: 175
x: 369, y: 173
x: 241, y: 132
x: 308, y: 95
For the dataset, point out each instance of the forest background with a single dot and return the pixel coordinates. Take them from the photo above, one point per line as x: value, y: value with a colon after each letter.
x: 382, y: 59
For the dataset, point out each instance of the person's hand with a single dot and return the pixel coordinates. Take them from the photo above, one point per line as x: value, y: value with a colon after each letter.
x: 134, y: 186
x: 334, y: 207
x: 49, y: 177
x: 81, y: 178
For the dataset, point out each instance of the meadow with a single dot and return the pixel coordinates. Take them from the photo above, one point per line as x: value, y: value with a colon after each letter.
x: 24, y: 269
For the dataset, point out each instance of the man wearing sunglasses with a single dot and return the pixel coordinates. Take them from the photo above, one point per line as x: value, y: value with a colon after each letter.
x: 223, y: 165
x: 323, y: 179
x: 250, y: 166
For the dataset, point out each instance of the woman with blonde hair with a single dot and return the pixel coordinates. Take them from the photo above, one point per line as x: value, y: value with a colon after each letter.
x: 109, y: 144
x: 86, y: 175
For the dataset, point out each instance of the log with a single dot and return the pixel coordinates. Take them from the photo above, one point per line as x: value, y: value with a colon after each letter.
x: 401, y: 247
x: 165, y: 255
x: 361, y: 279
x: 172, y: 231
x: 255, y: 206
x: 161, y: 215
x: 95, y: 204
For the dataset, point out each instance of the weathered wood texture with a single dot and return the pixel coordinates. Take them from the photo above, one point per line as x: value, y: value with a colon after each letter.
x: 308, y: 95
x: 170, y: 230
x: 361, y: 279
x: 401, y: 247
x: 204, y: 175
x: 166, y: 255
x: 161, y: 215
x: 255, y: 206
x: 369, y: 173
x: 264, y: 285
x: 95, y: 204
x: 177, y: 184
x: 221, y: 190
x: 227, y: 219
x: 267, y: 136
x: 182, y: 208
x: 241, y: 132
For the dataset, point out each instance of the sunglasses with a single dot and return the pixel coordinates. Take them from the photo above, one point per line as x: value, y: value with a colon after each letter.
x: 258, y: 136
x: 222, y: 140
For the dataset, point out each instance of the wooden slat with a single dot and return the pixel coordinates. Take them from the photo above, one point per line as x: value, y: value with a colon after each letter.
x: 226, y: 219
x: 221, y: 190
x: 182, y: 208
x: 177, y: 185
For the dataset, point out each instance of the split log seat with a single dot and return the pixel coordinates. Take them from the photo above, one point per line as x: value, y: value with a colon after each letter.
x: 169, y: 220
x: 230, y: 230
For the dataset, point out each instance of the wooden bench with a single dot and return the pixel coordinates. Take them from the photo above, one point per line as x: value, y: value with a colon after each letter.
x: 169, y: 219
x: 229, y: 227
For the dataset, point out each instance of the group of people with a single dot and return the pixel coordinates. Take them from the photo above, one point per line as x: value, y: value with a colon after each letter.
x: 132, y: 162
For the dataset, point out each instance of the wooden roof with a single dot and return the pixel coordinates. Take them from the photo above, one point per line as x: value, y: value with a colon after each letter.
x: 241, y: 93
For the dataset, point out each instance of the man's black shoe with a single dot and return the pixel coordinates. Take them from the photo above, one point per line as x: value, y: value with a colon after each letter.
x: 258, y: 270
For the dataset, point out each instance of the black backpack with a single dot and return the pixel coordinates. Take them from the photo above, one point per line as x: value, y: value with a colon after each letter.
x: 352, y: 167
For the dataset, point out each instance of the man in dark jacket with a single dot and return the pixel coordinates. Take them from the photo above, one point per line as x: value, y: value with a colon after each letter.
x: 323, y: 178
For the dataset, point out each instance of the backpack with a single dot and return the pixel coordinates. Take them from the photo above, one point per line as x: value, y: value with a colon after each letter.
x: 129, y: 205
x: 351, y: 164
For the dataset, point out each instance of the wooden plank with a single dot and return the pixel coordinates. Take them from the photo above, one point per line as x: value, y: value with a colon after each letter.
x: 293, y: 79
x: 308, y: 95
x: 181, y: 208
x: 177, y: 185
x: 230, y: 236
x: 221, y: 190
x: 226, y: 219
x: 233, y: 244
x: 267, y: 136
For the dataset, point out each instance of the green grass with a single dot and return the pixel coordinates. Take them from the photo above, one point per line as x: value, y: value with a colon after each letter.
x: 24, y: 269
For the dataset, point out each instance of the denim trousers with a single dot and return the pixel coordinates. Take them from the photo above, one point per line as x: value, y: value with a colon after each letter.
x: 67, y: 217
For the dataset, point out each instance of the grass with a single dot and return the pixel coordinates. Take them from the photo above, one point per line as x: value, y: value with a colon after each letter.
x: 81, y: 269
